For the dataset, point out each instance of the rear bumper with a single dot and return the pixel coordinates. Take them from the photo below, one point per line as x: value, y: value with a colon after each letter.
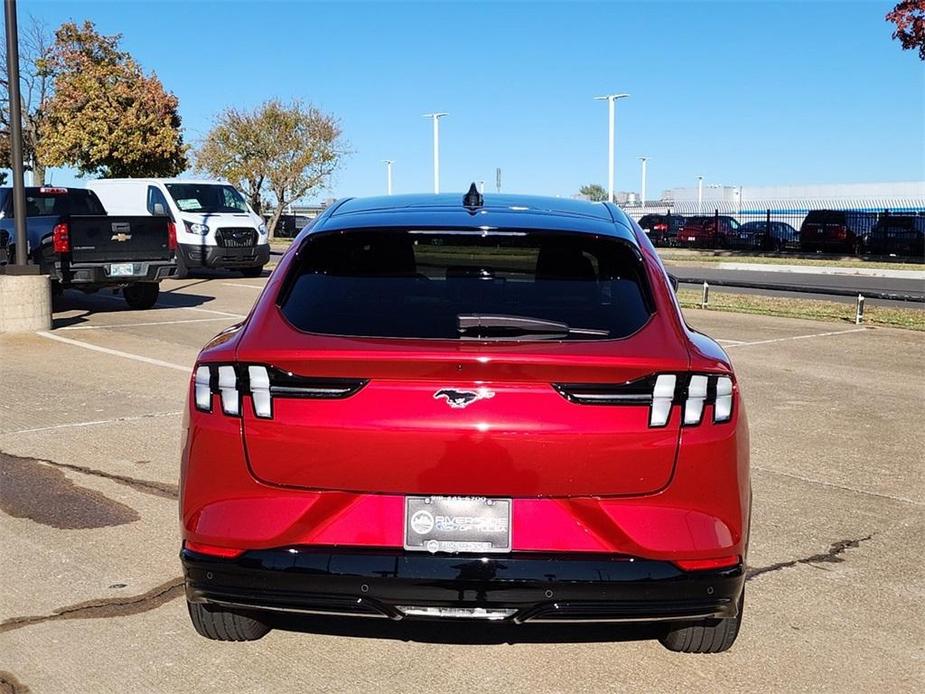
x: 519, y: 587
x: 97, y: 274
x: 220, y: 256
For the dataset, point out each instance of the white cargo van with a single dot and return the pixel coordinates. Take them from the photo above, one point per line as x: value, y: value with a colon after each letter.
x: 215, y: 225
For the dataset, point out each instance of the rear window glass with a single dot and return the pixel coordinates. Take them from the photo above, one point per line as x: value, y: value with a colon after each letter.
x: 466, y: 285
x: 72, y: 202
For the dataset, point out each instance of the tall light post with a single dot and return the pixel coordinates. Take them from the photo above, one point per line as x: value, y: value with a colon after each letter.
x: 388, y: 175
x: 611, y: 100
x: 12, y: 71
x: 436, y: 119
x: 700, y: 195
x: 642, y: 192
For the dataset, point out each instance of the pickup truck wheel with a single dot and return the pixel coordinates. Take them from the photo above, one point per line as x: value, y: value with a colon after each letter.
x: 142, y: 295
x: 252, y: 271
x: 220, y: 625
x: 182, y: 269
x: 705, y: 636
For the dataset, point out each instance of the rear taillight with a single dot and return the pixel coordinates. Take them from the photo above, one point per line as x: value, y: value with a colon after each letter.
x: 61, y: 238
x: 231, y: 382
x: 661, y: 227
x: 171, y: 236
x: 707, y: 564
x: 661, y: 393
x: 840, y: 231
x: 213, y: 550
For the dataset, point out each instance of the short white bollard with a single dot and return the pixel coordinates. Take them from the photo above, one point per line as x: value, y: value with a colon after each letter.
x: 859, y: 311
x: 25, y: 303
x: 705, y: 299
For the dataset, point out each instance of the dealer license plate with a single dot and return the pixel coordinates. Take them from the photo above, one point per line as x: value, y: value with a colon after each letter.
x: 121, y: 269
x: 457, y: 524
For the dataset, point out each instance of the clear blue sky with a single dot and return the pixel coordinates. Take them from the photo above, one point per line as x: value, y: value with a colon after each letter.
x: 744, y: 93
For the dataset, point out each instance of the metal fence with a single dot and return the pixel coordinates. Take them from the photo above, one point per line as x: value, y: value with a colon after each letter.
x: 785, y: 227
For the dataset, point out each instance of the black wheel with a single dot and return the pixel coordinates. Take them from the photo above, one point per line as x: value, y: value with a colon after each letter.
x: 142, y: 295
x: 252, y: 271
x: 221, y: 625
x: 705, y: 636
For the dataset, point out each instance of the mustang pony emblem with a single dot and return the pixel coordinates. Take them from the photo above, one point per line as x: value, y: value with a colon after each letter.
x: 458, y: 399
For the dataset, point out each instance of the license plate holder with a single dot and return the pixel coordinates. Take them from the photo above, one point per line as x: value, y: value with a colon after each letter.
x: 121, y: 269
x: 457, y: 524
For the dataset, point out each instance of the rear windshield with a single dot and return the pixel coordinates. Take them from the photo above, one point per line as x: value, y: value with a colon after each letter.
x: 466, y: 285
x: 62, y: 202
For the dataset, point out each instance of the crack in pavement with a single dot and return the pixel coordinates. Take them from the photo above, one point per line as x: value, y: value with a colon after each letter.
x: 161, y: 489
x: 104, y: 608
x: 832, y: 556
x: 10, y: 685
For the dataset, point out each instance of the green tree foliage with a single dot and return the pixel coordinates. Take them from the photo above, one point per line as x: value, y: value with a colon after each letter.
x: 106, y: 116
x: 283, y: 151
x: 594, y: 192
x: 36, y: 86
x: 909, y: 18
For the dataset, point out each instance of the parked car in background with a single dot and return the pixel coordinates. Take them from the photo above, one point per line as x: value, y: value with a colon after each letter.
x: 662, y: 229
x: 73, y: 239
x: 776, y: 236
x: 707, y: 231
x: 897, y: 234
x: 498, y: 417
x: 836, y: 231
x: 216, y: 228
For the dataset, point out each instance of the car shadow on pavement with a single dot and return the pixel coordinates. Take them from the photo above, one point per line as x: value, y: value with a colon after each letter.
x: 108, y: 301
x: 466, y: 632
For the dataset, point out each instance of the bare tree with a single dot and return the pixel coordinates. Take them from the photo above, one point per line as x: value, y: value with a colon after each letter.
x: 36, y: 87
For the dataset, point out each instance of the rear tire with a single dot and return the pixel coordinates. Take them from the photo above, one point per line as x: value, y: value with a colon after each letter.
x: 182, y: 268
x: 221, y: 625
x: 252, y: 271
x: 705, y: 636
x: 141, y: 296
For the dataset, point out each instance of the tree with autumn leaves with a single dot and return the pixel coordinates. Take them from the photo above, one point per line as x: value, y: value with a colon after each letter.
x: 909, y: 18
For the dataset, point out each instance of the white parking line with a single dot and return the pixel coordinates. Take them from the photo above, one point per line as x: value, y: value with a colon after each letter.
x: 91, y: 424
x: 114, y: 352
x: 203, y: 310
x: 798, y: 337
x: 141, y: 325
x: 730, y: 342
x: 246, y: 286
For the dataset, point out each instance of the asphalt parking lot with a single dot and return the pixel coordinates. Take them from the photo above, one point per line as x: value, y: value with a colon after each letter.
x: 92, y: 599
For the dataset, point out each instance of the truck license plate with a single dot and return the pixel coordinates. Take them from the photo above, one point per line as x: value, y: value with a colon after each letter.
x: 121, y: 269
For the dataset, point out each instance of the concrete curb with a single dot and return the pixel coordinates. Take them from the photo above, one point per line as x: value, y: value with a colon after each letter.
x: 824, y: 270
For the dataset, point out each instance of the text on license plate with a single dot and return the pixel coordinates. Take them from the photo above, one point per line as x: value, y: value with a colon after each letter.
x: 457, y: 524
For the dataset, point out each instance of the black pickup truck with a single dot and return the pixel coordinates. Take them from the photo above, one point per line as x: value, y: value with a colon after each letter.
x: 81, y: 247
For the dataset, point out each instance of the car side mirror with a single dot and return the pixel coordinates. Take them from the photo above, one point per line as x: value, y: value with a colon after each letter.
x: 674, y: 282
x: 159, y: 210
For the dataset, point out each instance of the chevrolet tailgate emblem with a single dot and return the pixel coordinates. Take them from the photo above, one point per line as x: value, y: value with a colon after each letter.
x: 120, y: 237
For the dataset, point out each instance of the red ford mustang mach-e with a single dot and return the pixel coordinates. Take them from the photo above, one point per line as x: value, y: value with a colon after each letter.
x: 456, y: 407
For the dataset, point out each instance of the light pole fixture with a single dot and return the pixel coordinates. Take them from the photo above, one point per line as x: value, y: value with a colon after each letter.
x: 388, y: 175
x: 611, y: 100
x: 436, y: 119
x: 642, y: 192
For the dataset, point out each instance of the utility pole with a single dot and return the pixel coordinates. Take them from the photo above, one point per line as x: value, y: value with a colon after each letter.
x: 612, y: 101
x: 436, y: 119
x: 700, y: 195
x: 388, y: 175
x: 12, y: 71
x: 642, y: 192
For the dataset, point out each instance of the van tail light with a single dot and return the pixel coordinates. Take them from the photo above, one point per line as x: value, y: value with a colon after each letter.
x: 263, y: 384
x: 61, y: 238
x: 171, y: 236
x: 661, y: 392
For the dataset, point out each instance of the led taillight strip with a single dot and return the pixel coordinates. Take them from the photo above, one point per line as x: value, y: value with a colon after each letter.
x: 660, y: 392
x: 263, y: 384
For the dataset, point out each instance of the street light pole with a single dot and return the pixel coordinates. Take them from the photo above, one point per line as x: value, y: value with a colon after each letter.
x: 612, y: 101
x: 642, y: 192
x: 12, y: 71
x: 700, y: 195
x: 388, y: 175
x: 436, y: 119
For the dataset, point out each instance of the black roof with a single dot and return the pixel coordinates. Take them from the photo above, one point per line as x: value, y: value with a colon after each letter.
x: 499, y: 211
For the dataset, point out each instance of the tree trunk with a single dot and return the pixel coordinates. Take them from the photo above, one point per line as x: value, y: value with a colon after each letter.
x: 274, y: 220
x: 38, y: 174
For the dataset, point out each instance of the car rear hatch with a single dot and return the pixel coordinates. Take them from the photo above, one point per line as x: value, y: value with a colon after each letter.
x: 416, y: 362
